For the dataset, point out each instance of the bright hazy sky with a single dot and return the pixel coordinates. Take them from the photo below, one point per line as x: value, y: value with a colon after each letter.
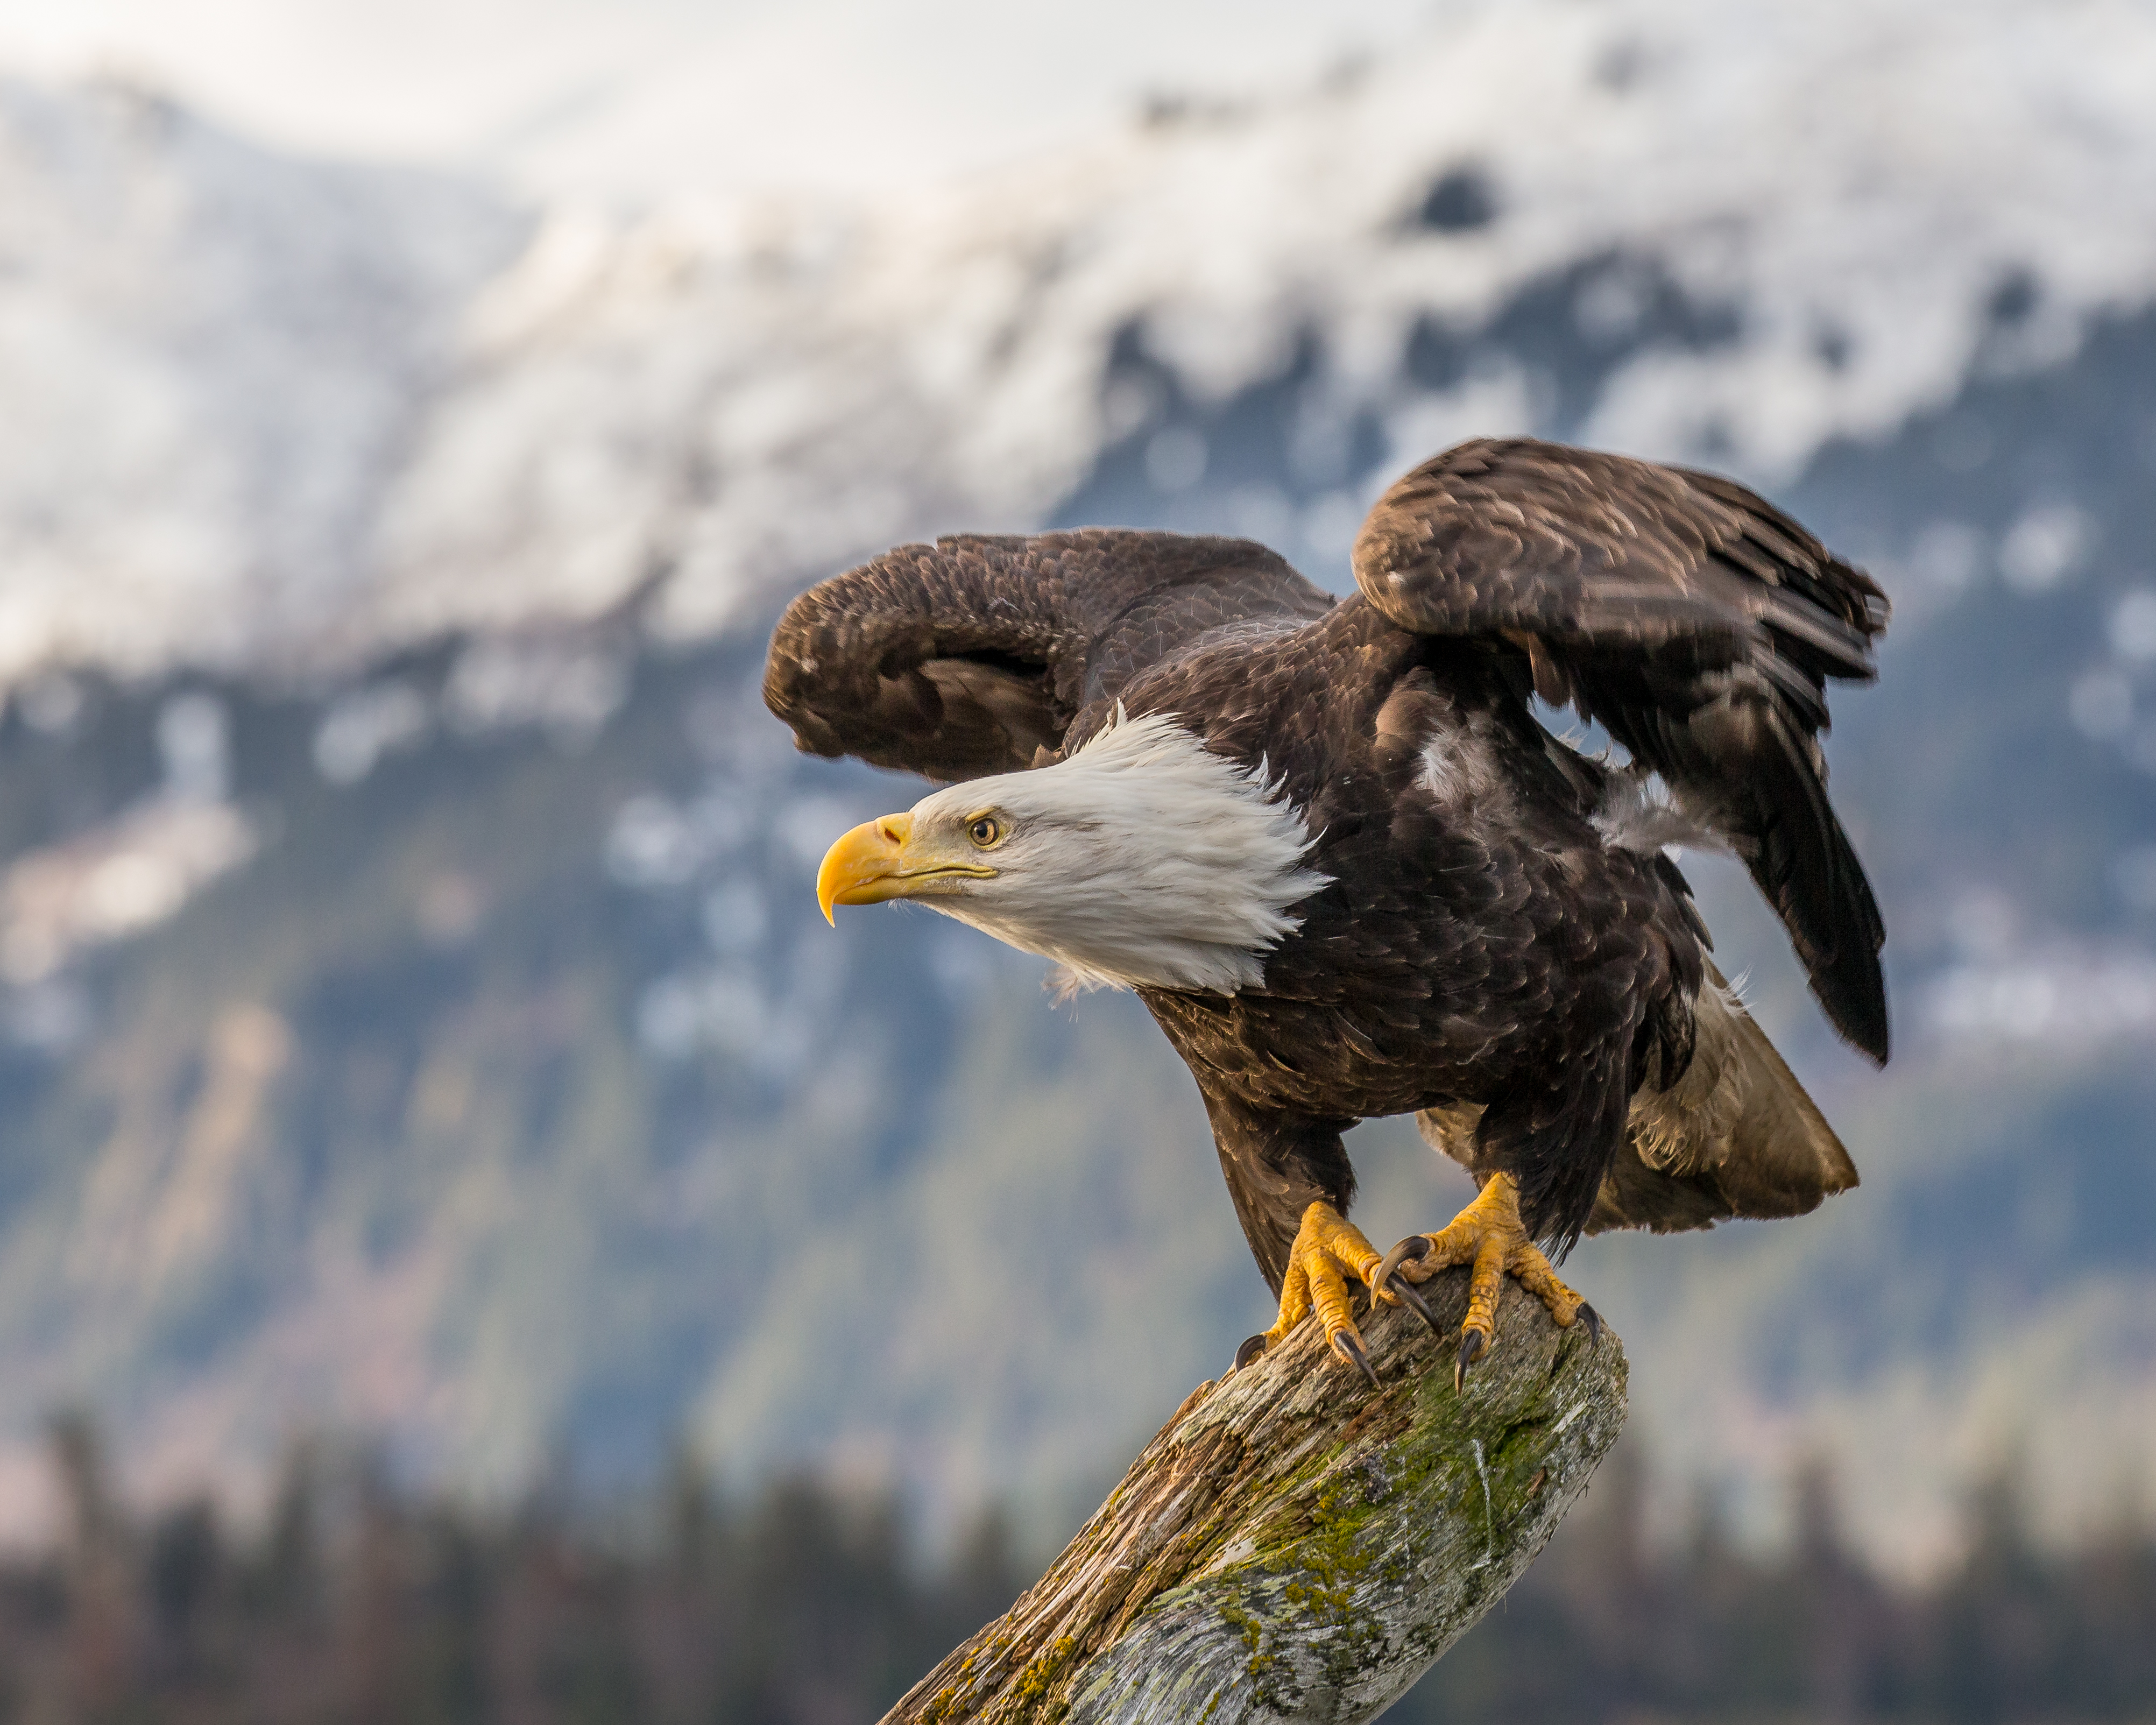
x: 643, y: 96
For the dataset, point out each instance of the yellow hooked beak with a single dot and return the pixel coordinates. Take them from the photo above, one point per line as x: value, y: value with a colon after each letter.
x: 875, y: 861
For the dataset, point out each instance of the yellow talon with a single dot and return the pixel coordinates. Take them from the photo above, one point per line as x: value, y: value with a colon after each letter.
x: 1328, y: 1250
x: 1490, y: 1235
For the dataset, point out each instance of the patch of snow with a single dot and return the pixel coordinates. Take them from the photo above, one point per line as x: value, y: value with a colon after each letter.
x: 571, y: 687
x: 2133, y: 626
x: 117, y: 880
x: 194, y: 742
x: 654, y: 842
x: 2042, y: 549
x: 2067, y: 998
x: 363, y: 726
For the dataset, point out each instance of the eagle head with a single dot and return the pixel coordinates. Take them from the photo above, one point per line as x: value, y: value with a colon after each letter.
x: 1143, y: 860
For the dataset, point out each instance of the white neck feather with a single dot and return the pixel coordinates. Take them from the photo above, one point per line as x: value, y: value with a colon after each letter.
x: 1144, y: 860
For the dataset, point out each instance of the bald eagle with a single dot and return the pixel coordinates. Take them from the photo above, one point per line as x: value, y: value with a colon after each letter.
x: 1349, y: 871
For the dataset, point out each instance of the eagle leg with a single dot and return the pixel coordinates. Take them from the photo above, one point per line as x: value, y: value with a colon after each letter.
x: 1488, y: 1234
x: 1328, y: 1251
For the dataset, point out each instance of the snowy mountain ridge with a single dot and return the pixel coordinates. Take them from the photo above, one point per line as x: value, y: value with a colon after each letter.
x: 212, y: 360
x: 283, y: 415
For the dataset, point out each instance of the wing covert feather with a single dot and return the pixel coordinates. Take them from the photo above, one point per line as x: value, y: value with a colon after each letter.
x: 976, y: 654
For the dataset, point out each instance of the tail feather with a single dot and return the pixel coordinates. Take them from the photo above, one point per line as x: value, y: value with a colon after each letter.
x: 1736, y: 1136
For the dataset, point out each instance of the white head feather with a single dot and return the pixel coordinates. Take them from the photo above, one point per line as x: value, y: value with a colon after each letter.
x: 1143, y: 860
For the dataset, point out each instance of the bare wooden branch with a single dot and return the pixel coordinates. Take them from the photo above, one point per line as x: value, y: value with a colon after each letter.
x: 1295, y: 1545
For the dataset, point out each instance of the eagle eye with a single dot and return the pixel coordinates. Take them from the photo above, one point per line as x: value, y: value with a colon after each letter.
x: 986, y: 831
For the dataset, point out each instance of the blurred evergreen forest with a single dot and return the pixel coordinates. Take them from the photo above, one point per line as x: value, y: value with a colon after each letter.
x: 354, y: 1602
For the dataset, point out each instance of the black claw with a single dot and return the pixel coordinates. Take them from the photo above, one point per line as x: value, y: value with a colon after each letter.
x: 1594, y: 1323
x: 1351, y: 1353
x: 1253, y: 1349
x: 1407, y: 1291
x: 1473, y: 1344
x: 1414, y: 1246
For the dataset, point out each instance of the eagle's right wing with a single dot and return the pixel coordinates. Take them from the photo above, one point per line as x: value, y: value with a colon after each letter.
x: 980, y: 654
x: 1697, y: 621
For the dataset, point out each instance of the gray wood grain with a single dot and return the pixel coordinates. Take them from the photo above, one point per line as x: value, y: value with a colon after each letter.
x: 1293, y: 1544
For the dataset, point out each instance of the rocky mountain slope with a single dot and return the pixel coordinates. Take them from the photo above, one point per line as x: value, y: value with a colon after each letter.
x: 416, y: 1015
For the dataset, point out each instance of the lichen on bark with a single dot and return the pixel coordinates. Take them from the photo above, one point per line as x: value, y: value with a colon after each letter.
x: 1296, y: 1545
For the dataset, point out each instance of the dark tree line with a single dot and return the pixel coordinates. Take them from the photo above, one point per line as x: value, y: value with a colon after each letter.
x: 1604, y: 1628
x: 353, y: 1603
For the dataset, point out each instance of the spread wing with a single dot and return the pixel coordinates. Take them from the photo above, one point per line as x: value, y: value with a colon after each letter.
x: 1696, y: 621
x: 975, y: 655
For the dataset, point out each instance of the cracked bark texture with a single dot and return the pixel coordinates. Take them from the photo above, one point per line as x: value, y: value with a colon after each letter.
x: 1294, y: 1544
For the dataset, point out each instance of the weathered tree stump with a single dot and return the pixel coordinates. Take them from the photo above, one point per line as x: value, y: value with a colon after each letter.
x: 1296, y: 1545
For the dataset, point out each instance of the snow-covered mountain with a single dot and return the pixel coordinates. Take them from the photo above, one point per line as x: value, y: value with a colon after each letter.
x: 269, y: 411
x: 415, y: 1016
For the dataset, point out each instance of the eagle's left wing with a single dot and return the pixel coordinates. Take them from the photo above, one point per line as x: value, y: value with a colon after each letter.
x: 980, y: 654
x: 1697, y: 621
